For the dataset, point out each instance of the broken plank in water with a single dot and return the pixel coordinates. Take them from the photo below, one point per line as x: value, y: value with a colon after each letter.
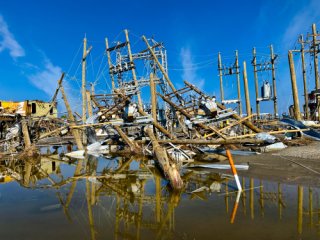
x: 221, y: 166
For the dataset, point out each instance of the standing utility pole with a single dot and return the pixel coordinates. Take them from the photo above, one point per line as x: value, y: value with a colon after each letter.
x: 220, y: 76
x: 234, y: 69
x: 84, y: 65
x: 264, y: 66
x: 297, y: 114
x: 238, y: 83
x: 84, y: 68
x: 304, y: 75
x: 246, y: 89
x: 275, y: 104
x: 256, y: 82
x: 315, y: 55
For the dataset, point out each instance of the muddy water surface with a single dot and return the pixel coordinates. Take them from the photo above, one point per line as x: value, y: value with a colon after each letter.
x: 97, y: 198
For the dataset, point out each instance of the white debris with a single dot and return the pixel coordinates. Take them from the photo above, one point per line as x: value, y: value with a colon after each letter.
x: 266, y: 137
x: 274, y: 147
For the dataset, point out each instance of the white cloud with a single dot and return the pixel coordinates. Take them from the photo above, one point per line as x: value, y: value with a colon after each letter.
x: 46, y: 79
x: 189, y: 71
x: 301, y: 22
x: 8, y: 42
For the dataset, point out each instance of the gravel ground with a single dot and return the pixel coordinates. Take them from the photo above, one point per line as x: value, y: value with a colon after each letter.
x: 311, y: 151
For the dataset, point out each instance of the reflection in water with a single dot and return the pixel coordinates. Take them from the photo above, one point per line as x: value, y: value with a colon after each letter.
x: 136, y: 202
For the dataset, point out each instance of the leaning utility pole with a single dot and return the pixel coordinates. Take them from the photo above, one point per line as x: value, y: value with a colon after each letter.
x: 315, y: 55
x: 297, y: 114
x: 304, y: 75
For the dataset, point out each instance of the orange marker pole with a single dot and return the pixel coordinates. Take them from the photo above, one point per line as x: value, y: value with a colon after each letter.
x: 235, y: 207
x: 233, y: 169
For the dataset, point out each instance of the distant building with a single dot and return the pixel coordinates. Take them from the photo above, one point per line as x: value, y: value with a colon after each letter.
x: 313, y: 98
x: 32, y: 108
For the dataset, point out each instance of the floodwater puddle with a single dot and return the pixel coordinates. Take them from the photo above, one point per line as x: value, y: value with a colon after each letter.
x: 123, y: 198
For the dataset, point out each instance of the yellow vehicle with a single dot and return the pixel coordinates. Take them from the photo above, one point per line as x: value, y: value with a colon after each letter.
x: 33, y: 108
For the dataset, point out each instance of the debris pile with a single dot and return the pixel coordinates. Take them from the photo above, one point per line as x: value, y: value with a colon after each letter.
x: 177, y: 128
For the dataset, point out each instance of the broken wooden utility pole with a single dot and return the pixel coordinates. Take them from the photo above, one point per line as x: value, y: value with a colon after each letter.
x: 297, y: 114
x: 272, y: 60
x: 246, y: 88
x: 256, y: 82
x: 220, y: 77
x: 54, y: 98
x: 315, y: 55
x: 25, y: 132
x: 133, y: 146
x: 189, y: 116
x: 163, y: 71
x: 161, y: 155
x: 221, y: 106
x: 89, y: 103
x: 75, y: 132
x: 304, y: 75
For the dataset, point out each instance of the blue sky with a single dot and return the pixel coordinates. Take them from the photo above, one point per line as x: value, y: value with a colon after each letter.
x: 39, y: 39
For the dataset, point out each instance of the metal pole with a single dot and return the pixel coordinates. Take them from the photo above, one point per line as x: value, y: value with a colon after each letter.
x: 160, y: 66
x: 109, y: 63
x: 220, y: 76
x: 304, y: 74
x: 297, y: 113
x: 134, y: 76
x: 246, y: 88
x: 256, y: 82
x: 238, y: 83
x: 275, y: 104
x: 153, y: 98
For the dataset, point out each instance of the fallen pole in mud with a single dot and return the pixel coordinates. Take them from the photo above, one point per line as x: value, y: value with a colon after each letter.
x: 206, y: 142
x: 133, y: 146
x: 161, y: 156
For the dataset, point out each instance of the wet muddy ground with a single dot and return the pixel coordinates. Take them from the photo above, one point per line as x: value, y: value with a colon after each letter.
x: 62, y: 199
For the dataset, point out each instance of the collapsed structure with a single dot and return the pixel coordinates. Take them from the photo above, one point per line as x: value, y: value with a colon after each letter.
x: 176, y: 128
